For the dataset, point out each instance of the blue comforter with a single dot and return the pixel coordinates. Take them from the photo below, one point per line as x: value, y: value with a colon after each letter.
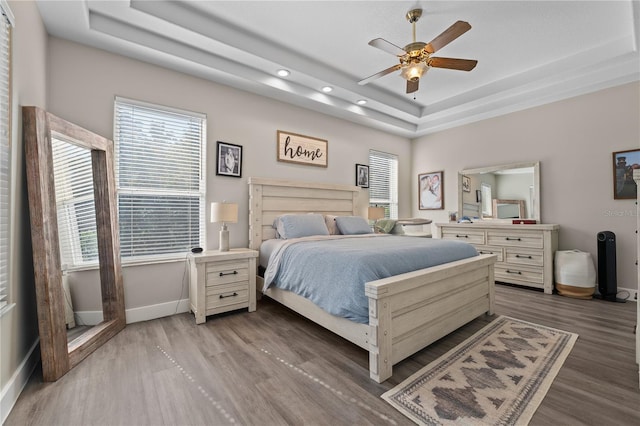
x: 332, y: 271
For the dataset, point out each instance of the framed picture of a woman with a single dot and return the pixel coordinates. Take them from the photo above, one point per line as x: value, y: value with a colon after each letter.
x: 229, y: 159
x: 431, y: 191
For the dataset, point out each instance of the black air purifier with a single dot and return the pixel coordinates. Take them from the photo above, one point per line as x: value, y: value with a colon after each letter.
x: 607, y: 279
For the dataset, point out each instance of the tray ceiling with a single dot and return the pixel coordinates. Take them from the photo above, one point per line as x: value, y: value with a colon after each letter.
x: 529, y: 52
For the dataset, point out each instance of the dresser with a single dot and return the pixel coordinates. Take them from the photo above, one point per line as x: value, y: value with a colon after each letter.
x: 636, y: 177
x: 221, y: 282
x: 525, y: 252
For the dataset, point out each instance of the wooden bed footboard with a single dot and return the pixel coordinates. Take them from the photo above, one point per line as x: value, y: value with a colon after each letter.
x: 410, y: 311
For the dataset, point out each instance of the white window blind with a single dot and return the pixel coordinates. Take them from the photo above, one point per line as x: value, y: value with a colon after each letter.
x: 383, y: 182
x: 5, y: 149
x: 75, y: 206
x: 160, y: 179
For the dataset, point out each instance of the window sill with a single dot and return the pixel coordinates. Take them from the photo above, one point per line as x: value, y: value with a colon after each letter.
x: 135, y: 262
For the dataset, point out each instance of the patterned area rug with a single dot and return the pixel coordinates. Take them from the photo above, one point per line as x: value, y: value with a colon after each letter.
x: 498, y: 376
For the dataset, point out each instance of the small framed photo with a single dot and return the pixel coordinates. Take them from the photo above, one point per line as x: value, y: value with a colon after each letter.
x: 466, y: 183
x: 229, y: 159
x: 431, y: 191
x: 362, y: 175
x: 624, y: 162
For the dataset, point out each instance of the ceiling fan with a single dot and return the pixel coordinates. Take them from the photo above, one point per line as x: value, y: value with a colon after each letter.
x: 415, y: 58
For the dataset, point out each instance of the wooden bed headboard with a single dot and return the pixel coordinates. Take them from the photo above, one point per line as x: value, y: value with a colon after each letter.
x: 270, y: 198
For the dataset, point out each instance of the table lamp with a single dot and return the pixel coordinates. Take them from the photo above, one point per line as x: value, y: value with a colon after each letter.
x: 375, y: 213
x: 224, y: 213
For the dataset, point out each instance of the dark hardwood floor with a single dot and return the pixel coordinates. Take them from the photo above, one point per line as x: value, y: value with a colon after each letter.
x: 273, y: 367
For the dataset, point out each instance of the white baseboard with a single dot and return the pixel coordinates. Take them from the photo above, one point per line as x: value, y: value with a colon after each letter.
x: 18, y: 381
x: 143, y: 313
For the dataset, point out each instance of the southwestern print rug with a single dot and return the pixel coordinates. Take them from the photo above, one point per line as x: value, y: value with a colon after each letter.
x: 498, y: 376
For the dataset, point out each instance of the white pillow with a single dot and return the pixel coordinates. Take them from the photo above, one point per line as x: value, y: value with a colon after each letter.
x: 330, y: 221
x: 353, y: 225
x: 300, y: 225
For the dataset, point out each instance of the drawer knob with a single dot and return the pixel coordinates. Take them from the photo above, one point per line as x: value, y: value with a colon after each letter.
x: 513, y: 239
x: 222, y: 274
x: 514, y: 272
x: 461, y: 236
x: 523, y: 257
x: 222, y: 296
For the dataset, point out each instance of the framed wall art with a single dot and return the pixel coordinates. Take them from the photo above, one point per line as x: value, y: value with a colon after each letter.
x: 624, y: 162
x: 229, y: 159
x: 362, y: 175
x: 300, y: 149
x: 466, y: 183
x: 431, y: 191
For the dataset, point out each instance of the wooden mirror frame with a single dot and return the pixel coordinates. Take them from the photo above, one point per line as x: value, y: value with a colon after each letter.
x: 58, y: 356
x: 535, y: 212
x: 519, y: 203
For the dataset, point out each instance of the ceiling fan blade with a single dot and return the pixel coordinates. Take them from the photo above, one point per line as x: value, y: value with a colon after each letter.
x: 412, y: 86
x: 389, y: 47
x: 447, y: 36
x: 453, y: 64
x: 380, y: 74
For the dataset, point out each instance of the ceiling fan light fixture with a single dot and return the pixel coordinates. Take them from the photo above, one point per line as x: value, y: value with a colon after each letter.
x: 327, y: 89
x: 414, y: 71
x: 283, y: 73
x: 361, y: 101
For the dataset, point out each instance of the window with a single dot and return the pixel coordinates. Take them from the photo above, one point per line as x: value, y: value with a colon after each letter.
x: 160, y: 179
x: 487, y: 196
x: 5, y: 149
x: 75, y: 207
x: 383, y: 182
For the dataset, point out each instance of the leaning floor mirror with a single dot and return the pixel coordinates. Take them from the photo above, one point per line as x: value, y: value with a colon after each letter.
x: 46, y: 139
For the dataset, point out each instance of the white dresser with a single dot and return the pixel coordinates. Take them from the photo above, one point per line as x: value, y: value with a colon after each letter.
x: 636, y: 177
x: 525, y: 252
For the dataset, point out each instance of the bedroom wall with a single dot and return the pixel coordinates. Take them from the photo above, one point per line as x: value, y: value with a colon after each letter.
x: 82, y: 84
x: 573, y: 140
x: 19, y: 327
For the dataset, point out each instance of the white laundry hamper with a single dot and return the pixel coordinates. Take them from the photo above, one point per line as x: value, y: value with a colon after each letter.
x: 575, y: 274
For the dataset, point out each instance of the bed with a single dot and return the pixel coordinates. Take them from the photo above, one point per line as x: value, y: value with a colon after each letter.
x: 407, y: 312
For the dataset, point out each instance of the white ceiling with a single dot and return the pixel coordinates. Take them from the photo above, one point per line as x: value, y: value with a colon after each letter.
x: 529, y: 52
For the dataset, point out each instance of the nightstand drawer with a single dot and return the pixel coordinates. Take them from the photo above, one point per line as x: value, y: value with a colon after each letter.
x: 224, y: 296
x: 227, y: 272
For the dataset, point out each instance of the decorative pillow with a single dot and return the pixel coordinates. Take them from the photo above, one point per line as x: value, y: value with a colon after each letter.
x: 330, y: 221
x: 300, y: 225
x: 352, y: 225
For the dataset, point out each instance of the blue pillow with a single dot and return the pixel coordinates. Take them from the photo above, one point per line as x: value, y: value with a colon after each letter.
x: 353, y: 225
x: 300, y: 225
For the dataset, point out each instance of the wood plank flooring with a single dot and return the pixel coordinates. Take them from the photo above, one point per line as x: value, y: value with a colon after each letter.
x: 273, y: 367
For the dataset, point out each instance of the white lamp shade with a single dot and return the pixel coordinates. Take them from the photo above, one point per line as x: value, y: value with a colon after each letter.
x: 224, y: 212
x: 376, y: 213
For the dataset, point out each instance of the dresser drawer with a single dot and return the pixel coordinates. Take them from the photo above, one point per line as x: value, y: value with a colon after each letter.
x: 520, y: 256
x: 219, y: 273
x: 499, y: 251
x: 223, y: 296
x: 521, y: 239
x: 519, y: 274
x: 472, y: 236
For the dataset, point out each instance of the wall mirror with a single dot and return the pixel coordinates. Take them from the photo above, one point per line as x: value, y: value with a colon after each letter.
x: 41, y: 131
x: 502, y: 192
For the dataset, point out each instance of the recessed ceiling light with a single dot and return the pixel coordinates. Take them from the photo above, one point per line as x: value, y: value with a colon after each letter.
x: 284, y: 73
x: 327, y: 89
x: 361, y: 101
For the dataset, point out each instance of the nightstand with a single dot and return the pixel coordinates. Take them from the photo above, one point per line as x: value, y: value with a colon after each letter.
x: 222, y: 281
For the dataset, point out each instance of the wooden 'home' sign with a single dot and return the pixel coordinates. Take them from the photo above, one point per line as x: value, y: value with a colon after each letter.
x: 300, y: 149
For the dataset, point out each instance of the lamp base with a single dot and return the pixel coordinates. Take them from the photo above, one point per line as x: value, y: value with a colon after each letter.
x: 224, y: 239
